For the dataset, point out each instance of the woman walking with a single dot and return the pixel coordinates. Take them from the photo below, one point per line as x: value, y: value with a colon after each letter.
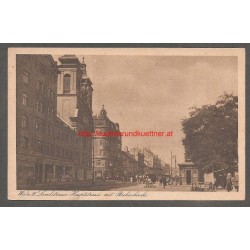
x: 229, y: 183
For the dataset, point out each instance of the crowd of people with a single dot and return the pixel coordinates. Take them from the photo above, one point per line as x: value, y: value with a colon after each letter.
x: 150, y: 179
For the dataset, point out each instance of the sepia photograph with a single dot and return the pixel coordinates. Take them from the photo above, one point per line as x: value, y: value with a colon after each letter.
x: 126, y: 124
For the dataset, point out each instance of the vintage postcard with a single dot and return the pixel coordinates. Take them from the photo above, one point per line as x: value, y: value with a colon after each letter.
x: 126, y: 124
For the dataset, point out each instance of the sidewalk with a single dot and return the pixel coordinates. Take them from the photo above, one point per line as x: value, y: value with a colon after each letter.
x: 80, y: 185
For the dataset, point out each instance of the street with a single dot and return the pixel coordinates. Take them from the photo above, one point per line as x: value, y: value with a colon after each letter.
x: 113, y: 185
x: 109, y: 185
x: 154, y: 187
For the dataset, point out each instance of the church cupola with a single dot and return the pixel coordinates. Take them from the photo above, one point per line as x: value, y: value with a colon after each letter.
x: 103, y: 112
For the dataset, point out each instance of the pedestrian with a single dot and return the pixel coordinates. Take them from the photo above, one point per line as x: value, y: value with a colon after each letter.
x: 164, y: 182
x: 236, y: 184
x: 229, y: 183
x: 161, y: 180
x: 147, y: 181
x: 176, y: 179
x: 214, y: 184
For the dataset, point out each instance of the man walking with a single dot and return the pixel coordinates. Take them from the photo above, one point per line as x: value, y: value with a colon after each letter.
x: 164, y: 182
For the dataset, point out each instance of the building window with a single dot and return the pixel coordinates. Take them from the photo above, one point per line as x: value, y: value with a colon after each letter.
x: 48, y: 111
x: 43, y: 88
x: 49, y: 93
x: 46, y: 149
x: 57, y: 135
x: 24, y: 121
x: 37, y: 126
x: 24, y: 142
x: 68, y: 138
x: 101, y: 142
x: 25, y: 77
x: 66, y: 84
x: 40, y: 87
x: 52, y: 95
x: 61, y: 135
x: 80, y: 174
x: 77, y: 156
x: 39, y: 146
x: 98, y: 163
x: 25, y: 99
x: 51, y: 149
x: 40, y: 107
x: 37, y: 105
x: 48, y: 129
x: 57, y: 151
x: 42, y: 69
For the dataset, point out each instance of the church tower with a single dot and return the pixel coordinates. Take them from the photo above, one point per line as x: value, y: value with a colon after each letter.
x: 74, y: 93
x: 74, y: 104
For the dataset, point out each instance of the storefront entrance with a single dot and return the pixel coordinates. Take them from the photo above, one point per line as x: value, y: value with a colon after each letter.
x: 188, y: 177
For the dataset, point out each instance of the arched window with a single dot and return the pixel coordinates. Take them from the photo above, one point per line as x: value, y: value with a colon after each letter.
x: 25, y: 99
x: 24, y: 121
x: 66, y: 84
x: 25, y: 77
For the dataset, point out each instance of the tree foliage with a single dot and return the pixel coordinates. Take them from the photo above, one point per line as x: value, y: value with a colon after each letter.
x: 211, y: 133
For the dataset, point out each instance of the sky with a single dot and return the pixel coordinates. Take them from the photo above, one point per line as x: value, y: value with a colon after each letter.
x: 155, y: 93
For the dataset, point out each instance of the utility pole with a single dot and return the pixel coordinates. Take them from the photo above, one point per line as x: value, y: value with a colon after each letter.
x: 171, y: 164
x: 175, y: 170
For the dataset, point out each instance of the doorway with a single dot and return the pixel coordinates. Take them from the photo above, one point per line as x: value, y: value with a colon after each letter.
x: 38, y: 173
x: 188, y: 177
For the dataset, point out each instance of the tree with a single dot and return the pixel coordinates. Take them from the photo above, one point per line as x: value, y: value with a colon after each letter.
x: 211, y: 133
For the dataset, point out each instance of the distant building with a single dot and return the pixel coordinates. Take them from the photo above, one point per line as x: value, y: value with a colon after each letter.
x: 152, y: 162
x: 139, y: 157
x: 148, y: 157
x: 165, y: 168
x: 157, y: 165
x: 107, y: 149
x: 130, y: 166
